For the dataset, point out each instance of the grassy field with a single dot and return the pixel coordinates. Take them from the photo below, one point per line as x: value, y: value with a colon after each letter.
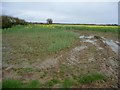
x: 26, y: 44
x: 38, y: 40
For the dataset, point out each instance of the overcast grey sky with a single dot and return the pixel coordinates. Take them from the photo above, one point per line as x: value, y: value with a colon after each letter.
x: 64, y: 12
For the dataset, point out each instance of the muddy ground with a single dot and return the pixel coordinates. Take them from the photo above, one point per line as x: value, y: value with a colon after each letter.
x: 91, y: 53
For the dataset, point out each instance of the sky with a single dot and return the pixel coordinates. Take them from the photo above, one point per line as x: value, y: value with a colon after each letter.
x: 64, y: 12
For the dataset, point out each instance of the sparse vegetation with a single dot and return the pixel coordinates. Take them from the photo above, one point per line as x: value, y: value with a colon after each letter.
x: 65, y: 83
x: 37, y: 39
x: 26, y: 47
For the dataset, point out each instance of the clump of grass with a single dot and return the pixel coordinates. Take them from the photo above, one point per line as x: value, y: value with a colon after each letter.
x: 51, y: 83
x: 61, y: 39
x: 9, y: 83
x: 33, y: 84
x: 67, y: 83
x: 89, y: 78
x: 28, y: 69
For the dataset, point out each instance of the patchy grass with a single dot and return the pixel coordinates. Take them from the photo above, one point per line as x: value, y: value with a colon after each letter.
x: 89, y: 78
x: 65, y: 83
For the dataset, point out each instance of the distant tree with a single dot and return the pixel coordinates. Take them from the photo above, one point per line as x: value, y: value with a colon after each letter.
x: 49, y: 21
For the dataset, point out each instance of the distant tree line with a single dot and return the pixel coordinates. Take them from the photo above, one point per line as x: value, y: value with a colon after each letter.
x: 8, y: 21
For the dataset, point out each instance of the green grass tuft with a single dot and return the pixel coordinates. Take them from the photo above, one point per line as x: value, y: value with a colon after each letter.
x: 9, y: 83
x: 51, y: 83
x: 89, y: 78
x: 33, y: 84
x: 67, y: 83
